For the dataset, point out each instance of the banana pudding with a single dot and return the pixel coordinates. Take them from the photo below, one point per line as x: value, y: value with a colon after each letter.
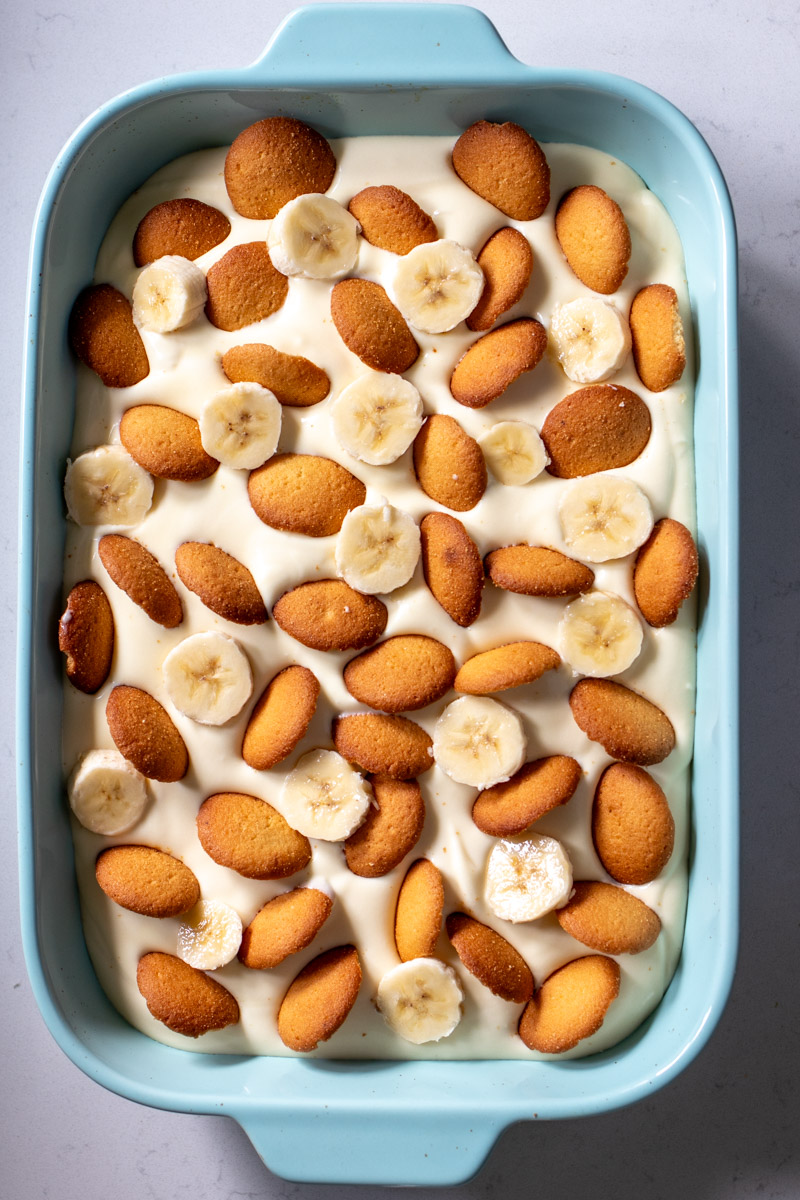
x: 378, y: 713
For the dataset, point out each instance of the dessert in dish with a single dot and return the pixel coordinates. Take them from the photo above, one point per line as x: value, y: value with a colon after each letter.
x: 363, y: 431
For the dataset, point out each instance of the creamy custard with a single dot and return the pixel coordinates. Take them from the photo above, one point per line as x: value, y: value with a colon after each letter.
x: 185, y: 372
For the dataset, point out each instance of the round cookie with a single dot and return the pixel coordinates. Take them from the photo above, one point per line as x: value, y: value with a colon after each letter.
x: 303, y: 493
x: 285, y: 925
x: 595, y: 429
x: 665, y: 572
x: 403, y: 673
x: 327, y: 614
x: 491, y: 364
x: 658, y: 344
x: 319, y: 999
x: 184, y: 999
x: 507, y: 263
x: 295, y: 381
x: 144, y: 734
x: 535, y: 789
x: 86, y: 636
x: 537, y: 571
x: 418, y: 915
x: 273, y: 161
x: 632, y: 826
x: 141, y: 576
x: 383, y: 744
x: 594, y: 237
x: 506, y: 166
x: 166, y: 443
x: 608, y: 919
x: 243, y: 287
x: 449, y: 464
x: 222, y: 583
x: 249, y: 836
x: 391, y: 220
x: 389, y: 831
x: 490, y: 958
x: 105, y: 339
x: 570, y: 1005
x: 505, y: 667
x: 147, y: 881
x: 372, y: 327
x: 626, y: 725
x: 182, y: 226
x: 451, y: 564
x: 280, y: 718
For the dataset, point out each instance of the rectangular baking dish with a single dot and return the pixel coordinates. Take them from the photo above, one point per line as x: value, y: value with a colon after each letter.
x: 367, y: 69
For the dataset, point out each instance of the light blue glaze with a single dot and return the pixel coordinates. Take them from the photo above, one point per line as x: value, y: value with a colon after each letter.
x: 352, y: 69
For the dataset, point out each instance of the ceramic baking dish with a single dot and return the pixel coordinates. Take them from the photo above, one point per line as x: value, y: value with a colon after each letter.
x: 365, y: 69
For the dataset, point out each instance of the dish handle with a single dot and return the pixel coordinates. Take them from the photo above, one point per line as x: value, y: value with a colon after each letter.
x: 323, y: 44
x: 322, y: 1145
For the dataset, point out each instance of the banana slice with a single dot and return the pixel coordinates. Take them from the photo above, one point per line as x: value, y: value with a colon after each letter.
x: 377, y: 548
x: 525, y: 880
x: 479, y: 741
x: 323, y: 797
x: 604, y: 517
x: 240, y: 426
x: 169, y: 294
x: 377, y: 418
x: 106, y: 487
x: 313, y: 236
x: 514, y: 452
x: 436, y: 285
x: 591, y: 339
x: 210, y: 935
x: 599, y: 635
x: 208, y: 678
x: 420, y: 1000
x: 106, y: 792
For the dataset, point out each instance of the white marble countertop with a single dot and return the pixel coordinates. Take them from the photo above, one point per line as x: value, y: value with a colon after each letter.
x: 728, y: 1127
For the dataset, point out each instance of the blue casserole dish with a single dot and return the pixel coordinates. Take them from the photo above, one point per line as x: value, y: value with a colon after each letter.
x: 430, y: 69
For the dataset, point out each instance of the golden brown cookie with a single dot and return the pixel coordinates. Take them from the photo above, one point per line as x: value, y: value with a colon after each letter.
x: 570, y: 1005
x: 391, y: 828
x: 183, y: 226
x: 537, y: 571
x: 632, y: 826
x: 280, y: 718
x: 86, y: 636
x: 391, y: 220
x: 303, y: 493
x: 243, y: 287
x: 401, y: 674
x: 184, y: 999
x: 383, y: 744
x: 490, y: 958
x: 659, y: 347
x: 452, y: 566
x: 492, y: 363
x: 418, y: 916
x: 223, y: 583
x: 371, y: 326
x: 449, y: 464
x: 595, y: 429
x: 104, y: 337
x: 285, y: 924
x: 665, y: 572
x: 249, y: 836
x: 507, y: 666
x: 144, y: 734
x: 319, y: 999
x: 293, y: 380
x: 608, y: 919
x: 536, y: 788
x: 507, y: 262
x: 327, y: 614
x: 626, y: 725
x: 147, y: 881
x: 166, y: 443
x: 594, y: 237
x: 141, y: 576
x: 506, y: 166
x: 273, y: 161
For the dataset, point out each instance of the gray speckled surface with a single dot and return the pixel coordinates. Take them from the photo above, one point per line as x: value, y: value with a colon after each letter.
x: 727, y: 1128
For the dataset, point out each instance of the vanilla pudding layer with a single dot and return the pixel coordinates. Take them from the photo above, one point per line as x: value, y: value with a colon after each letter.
x: 185, y: 372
